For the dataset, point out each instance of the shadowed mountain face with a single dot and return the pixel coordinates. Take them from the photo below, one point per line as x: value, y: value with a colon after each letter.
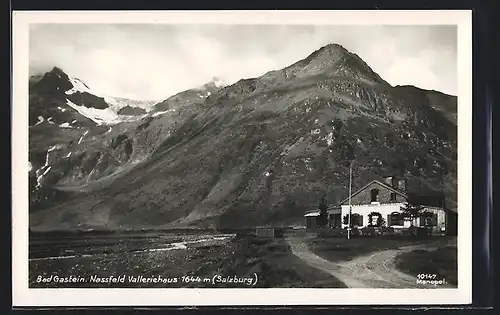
x: 56, y: 98
x: 131, y: 111
x: 260, y: 151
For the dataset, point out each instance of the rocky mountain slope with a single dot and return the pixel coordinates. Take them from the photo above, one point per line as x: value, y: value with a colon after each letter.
x: 74, y: 147
x: 131, y: 111
x: 192, y: 96
x: 260, y: 151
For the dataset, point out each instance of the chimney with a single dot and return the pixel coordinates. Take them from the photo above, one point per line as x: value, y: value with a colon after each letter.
x: 394, y: 183
x: 388, y: 180
x: 402, y: 185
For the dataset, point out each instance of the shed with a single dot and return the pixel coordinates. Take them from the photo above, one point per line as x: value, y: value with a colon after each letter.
x: 265, y: 232
x: 311, y: 219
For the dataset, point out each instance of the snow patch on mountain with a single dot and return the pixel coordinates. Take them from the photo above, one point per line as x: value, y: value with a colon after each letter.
x: 39, y: 178
x: 104, y: 116
x: 162, y: 112
x: 40, y: 120
x: 46, y: 171
x: 99, y: 116
x: 108, y: 116
x: 219, y: 82
x: 52, y: 148
x: 81, y: 138
x: 42, y: 171
x: 78, y: 86
x: 329, y: 139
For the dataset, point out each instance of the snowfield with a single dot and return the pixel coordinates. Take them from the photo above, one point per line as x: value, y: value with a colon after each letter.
x: 106, y: 116
x: 78, y: 86
x: 99, y: 116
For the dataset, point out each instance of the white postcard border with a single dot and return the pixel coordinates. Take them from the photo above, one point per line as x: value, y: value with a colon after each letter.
x: 24, y: 296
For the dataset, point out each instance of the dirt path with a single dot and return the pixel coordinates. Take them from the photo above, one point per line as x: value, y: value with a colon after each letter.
x: 299, y: 249
x: 375, y: 270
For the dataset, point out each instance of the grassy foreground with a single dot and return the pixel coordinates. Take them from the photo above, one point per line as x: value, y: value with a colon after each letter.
x: 441, y: 262
x: 341, y: 249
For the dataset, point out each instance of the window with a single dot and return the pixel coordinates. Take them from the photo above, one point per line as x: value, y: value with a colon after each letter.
x: 335, y: 220
x: 356, y: 220
x: 393, y: 196
x: 375, y: 219
x: 395, y: 218
x: 430, y: 220
x: 374, y: 195
x: 338, y: 220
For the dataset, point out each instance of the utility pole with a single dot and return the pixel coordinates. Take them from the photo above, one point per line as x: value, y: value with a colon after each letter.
x: 350, y: 206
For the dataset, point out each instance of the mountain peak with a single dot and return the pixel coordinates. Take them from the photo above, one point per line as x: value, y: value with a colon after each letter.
x: 332, y: 50
x: 54, y: 81
x: 57, y: 71
x: 333, y: 47
x: 333, y: 59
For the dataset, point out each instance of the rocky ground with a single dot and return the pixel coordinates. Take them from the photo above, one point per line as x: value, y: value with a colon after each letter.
x: 174, y: 260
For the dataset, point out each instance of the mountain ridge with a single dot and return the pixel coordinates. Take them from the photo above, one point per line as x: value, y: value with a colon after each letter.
x: 259, y: 151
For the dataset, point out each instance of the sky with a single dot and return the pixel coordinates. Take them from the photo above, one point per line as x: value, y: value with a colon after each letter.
x: 155, y: 61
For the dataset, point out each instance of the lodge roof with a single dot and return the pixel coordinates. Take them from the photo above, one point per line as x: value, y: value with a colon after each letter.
x: 378, y: 182
x: 312, y: 214
x: 329, y: 208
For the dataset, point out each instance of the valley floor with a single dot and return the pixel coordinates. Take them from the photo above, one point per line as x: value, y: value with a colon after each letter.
x: 176, y: 260
x: 169, y: 261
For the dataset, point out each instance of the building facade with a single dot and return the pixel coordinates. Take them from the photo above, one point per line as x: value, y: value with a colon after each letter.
x: 379, y: 203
